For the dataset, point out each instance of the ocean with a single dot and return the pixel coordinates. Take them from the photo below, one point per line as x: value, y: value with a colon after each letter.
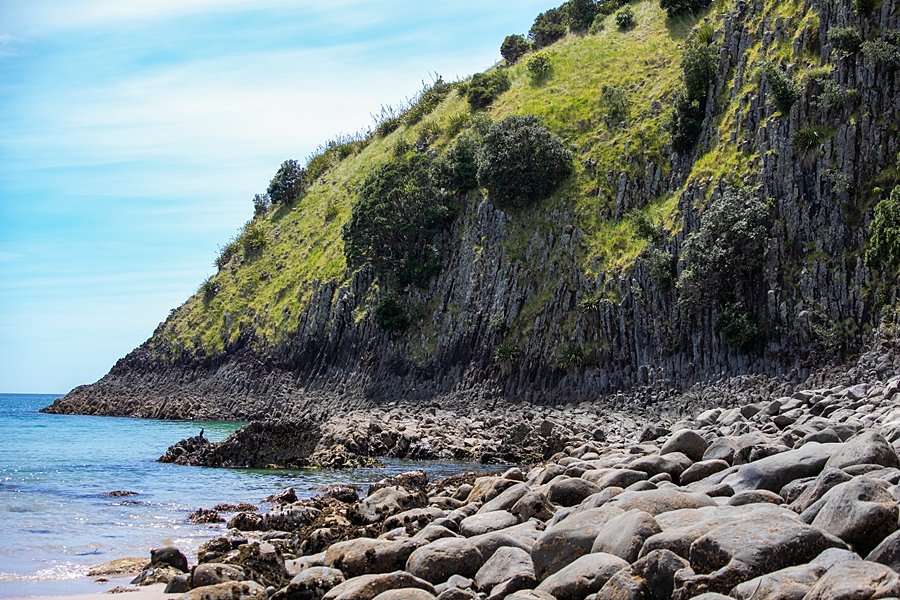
x: 56, y: 472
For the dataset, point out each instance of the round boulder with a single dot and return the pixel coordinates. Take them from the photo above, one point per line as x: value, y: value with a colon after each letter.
x: 688, y: 442
x: 440, y: 559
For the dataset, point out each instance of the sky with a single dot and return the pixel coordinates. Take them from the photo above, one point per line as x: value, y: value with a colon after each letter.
x: 134, y: 134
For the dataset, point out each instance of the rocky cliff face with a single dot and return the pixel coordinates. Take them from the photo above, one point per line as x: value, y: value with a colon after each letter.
x: 812, y: 298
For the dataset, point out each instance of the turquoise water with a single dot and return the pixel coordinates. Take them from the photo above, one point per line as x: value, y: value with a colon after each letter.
x: 55, y: 470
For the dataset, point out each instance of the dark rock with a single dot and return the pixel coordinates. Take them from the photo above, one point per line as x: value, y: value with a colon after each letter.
x: 887, y: 552
x: 285, y: 496
x: 504, y: 565
x: 585, y: 575
x: 861, y: 512
x: 624, y: 535
x: 457, y: 594
x: 773, y: 472
x: 506, y: 500
x: 621, y: 478
x: 754, y: 497
x: 720, y: 449
x: 366, y: 587
x: 568, y: 540
x: 205, y: 515
x: 826, y: 480
x: 488, y: 488
x: 834, y: 556
x: 702, y: 470
x: 485, y: 523
x: 571, y: 491
x: 411, y: 480
x: 364, y: 556
x: 232, y: 590
x: 215, y: 573
x: 674, y: 464
x: 535, y: 505
x: 414, y: 519
x: 290, y: 517
x: 262, y: 562
x: 386, y: 502
x: 854, y: 580
x: 688, y: 442
x: 178, y: 585
x: 445, y: 557
x: 659, y: 501
x: 169, y: 555
x: 866, y: 447
x: 787, y: 584
x: 405, y: 594
x: 153, y: 575
x: 247, y: 521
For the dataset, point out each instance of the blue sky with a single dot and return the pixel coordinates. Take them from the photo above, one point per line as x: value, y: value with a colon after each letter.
x: 133, y: 136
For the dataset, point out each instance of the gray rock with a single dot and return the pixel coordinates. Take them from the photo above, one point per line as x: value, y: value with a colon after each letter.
x: 866, y: 447
x: 414, y: 519
x: 621, y: 478
x: 791, y: 583
x: 488, y: 488
x: 834, y: 556
x: 363, y: 556
x: 720, y: 449
x: 215, y: 573
x: 568, y: 540
x: 861, y: 512
x: 506, y: 500
x: 659, y: 501
x: 456, y: 594
x: 702, y: 470
x: 755, y: 497
x: 440, y: 559
x: 169, y: 555
x: 624, y: 535
x: 366, y: 587
x: 178, y: 585
x: 504, y: 565
x: 233, y: 590
x: 405, y: 594
x: 535, y: 505
x: 386, y: 502
x: 688, y: 442
x: 854, y: 580
x: 887, y: 552
x: 433, y: 532
x: 650, y: 578
x: 826, y: 480
x: 489, y: 543
x: 479, y: 524
x: 311, y: 584
x: 586, y: 575
x: 571, y: 491
x: 773, y: 472
x: 289, y: 517
x: 674, y: 463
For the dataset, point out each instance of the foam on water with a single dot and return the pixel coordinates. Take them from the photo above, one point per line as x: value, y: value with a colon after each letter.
x: 55, y: 472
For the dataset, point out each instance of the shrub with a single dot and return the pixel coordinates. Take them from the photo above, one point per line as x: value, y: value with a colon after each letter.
x: 226, y: 253
x: 882, y: 53
x: 426, y: 100
x: 884, y: 239
x: 686, y: 122
x: 615, y: 100
x: 698, y: 71
x: 289, y: 182
x: 661, y: 267
x: 725, y: 252
x: 806, y: 140
x: 548, y: 27
x: 208, y: 290
x: 675, y: 8
x: 597, y: 26
x: 845, y: 39
x: 581, y: 13
x: 261, y: 204
x: 513, y: 48
x: 388, y: 120
x: 505, y: 353
x: 784, y: 91
x: 572, y: 358
x: 736, y: 325
x: 521, y: 161
x: 625, y: 18
x: 864, y: 7
x: 590, y: 304
x: 643, y: 225
x: 253, y: 239
x: 539, y: 67
x: 458, y: 167
x: 485, y: 87
x: 398, y: 212
x: 497, y: 325
x: 389, y: 314
x: 832, y: 95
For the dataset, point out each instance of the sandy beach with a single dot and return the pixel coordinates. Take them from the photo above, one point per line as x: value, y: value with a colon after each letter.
x: 127, y: 592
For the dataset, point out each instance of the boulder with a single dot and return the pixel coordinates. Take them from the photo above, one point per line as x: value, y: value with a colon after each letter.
x: 855, y: 580
x: 861, y: 512
x: 311, y: 584
x: 386, y: 502
x: 721, y: 449
x: 568, y: 540
x: 866, y: 447
x: 674, y: 463
x: 584, y: 576
x: 405, y: 594
x: 233, y: 590
x: 261, y: 562
x: 787, y: 584
x: 834, y: 556
x: 457, y: 594
x: 773, y: 472
x: 826, y: 480
x: 624, y: 535
x: 702, y: 470
x: 755, y: 497
x: 215, y: 573
x: 290, y: 517
x: 507, y: 499
x: 414, y: 519
x: 535, y: 505
x: 887, y: 552
x: 366, y: 587
x: 169, y: 555
x: 571, y: 491
x: 621, y: 478
x: 445, y: 557
x: 688, y: 442
x: 504, y: 565
x: 479, y: 524
x: 659, y: 501
x: 488, y: 488
x: 362, y: 556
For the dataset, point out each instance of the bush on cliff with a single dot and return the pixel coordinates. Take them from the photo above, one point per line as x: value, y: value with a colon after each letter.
x: 698, y: 66
x: 513, y: 48
x: 389, y: 314
x: 548, y: 27
x: 399, y: 210
x: 736, y: 325
x: 784, y: 91
x: 521, y: 161
x: 727, y: 250
x: 884, y: 242
x: 288, y: 183
x: 675, y: 8
x: 483, y: 88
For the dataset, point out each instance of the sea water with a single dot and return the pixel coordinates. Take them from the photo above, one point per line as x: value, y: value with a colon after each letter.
x: 56, y: 472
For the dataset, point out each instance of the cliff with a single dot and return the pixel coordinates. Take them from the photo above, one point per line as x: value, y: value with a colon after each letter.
x: 570, y: 299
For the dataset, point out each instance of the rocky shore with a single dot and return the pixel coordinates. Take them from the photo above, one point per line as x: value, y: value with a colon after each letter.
x: 792, y: 497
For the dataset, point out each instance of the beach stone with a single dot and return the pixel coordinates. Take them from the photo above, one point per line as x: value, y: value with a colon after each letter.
x: 433, y: 532
x: 169, y: 555
x: 826, y: 480
x: 571, y: 491
x: 310, y: 584
x: 247, y: 521
x: 533, y: 505
x: 702, y: 470
x: 290, y: 517
x: 479, y: 524
x: 624, y: 535
x: 154, y: 575
x: 720, y: 449
x: 659, y: 501
x: 488, y: 488
x: 791, y: 583
x: 384, y: 503
x: 866, y: 447
x: 674, y: 463
x: 504, y: 565
x: 414, y: 519
x: 510, y: 586
x: 405, y: 594
x: 261, y: 562
x: 686, y: 441
x: 232, y: 590
x: 621, y: 478
x: 568, y: 540
x: 530, y: 595
x: 363, y: 556
x: 489, y: 543
x: 861, y: 512
x: 649, y: 578
x: 773, y: 472
x: 856, y: 580
x: 457, y: 594
x: 584, y: 576
x: 445, y: 557
x: 366, y: 587
x: 755, y: 497
x: 178, y: 585
x: 887, y: 552
x: 834, y: 556
x: 507, y: 499
x: 215, y: 573
x: 120, y: 566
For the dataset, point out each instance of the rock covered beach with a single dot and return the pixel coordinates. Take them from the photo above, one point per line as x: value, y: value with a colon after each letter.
x: 792, y: 497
